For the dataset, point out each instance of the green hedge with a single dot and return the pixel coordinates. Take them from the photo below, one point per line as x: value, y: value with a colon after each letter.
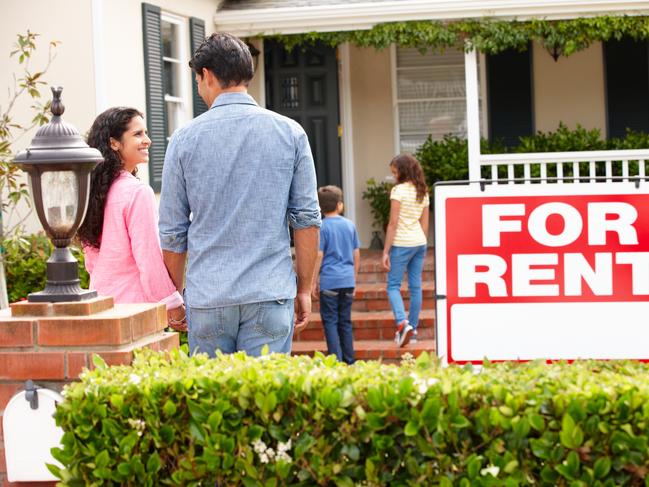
x: 281, y: 420
x: 25, y: 265
x: 448, y: 160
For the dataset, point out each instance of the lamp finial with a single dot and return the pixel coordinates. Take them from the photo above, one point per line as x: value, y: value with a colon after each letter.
x: 57, y: 105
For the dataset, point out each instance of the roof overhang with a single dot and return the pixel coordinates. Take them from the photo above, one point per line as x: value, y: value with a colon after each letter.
x: 360, y: 16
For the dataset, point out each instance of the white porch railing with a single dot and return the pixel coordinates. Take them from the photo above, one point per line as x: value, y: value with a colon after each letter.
x: 563, y: 167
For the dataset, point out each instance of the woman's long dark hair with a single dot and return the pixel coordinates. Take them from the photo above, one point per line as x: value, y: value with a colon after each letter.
x: 111, y: 123
x: 409, y: 170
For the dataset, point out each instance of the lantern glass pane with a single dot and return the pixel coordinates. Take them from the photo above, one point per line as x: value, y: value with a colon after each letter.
x: 60, y: 199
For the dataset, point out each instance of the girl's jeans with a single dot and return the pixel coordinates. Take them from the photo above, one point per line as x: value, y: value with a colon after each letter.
x: 412, y: 260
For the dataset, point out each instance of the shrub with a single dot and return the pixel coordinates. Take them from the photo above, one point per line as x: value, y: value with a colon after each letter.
x: 25, y: 265
x: 278, y: 420
x: 378, y: 196
x: 448, y: 160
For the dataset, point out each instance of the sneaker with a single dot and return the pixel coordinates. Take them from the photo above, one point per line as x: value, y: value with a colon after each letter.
x: 404, y: 332
x: 399, y: 330
x: 413, y: 338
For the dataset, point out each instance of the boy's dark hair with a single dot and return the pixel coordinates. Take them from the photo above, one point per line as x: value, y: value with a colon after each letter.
x: 227, y: 57
x: 329, y: 197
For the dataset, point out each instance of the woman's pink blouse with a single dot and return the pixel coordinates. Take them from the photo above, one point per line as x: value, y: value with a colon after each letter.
x: 128, y: 265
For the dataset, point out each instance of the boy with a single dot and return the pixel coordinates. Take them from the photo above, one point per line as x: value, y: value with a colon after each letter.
x: 340, y: 259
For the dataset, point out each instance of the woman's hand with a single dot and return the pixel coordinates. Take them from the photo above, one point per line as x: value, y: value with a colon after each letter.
x: 386, y: 261
x: 177, y: 319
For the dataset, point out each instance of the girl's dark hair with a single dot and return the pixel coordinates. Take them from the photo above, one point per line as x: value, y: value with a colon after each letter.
x: 111, y: 123
x: 409, y: 170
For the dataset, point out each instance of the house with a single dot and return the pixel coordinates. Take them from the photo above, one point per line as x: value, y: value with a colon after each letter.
x: 359, y: 105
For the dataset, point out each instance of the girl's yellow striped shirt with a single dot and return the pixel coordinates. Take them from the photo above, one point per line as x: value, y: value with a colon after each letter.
x: 409, y: 232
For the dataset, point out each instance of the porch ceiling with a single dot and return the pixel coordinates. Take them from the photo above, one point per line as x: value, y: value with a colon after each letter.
x: 255, y: 17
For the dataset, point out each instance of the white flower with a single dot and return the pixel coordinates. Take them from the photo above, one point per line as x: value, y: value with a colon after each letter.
x: 490, y: 470
x: 134, y: 379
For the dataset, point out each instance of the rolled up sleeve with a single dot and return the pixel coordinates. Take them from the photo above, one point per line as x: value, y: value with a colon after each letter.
x: 303, y: 209
x: 174, y: 204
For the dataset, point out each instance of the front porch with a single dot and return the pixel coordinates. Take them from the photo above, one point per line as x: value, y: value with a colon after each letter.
x: 391, y: 97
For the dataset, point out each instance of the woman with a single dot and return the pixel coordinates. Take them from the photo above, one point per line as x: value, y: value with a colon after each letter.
x: 120, y: 231
x: 405, y: 242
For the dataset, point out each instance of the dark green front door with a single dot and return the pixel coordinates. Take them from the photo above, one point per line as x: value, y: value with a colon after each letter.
x: 303, y: 85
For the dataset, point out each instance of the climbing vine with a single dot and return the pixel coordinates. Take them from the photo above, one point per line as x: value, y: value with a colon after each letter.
x: 559, y: 37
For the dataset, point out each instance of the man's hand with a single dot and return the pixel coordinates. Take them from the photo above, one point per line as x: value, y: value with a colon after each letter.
x: 302, y: 311
x: 176, y: 318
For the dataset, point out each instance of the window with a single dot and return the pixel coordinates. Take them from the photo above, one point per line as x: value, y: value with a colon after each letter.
x: 176, y: 74
x: 169, y: 103
x: 430, y: 96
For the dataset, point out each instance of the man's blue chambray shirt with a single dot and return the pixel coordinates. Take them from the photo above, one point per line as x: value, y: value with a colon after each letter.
x: 242, y: 173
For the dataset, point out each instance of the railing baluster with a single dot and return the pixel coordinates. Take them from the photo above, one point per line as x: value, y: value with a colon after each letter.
x: 641, y: 169
x: 609, y: 171
x: 510, y: 173
x: 560, y: 172
x: 592, y: 171
x: 494, y: 173
x: 526, y: 173
x: 575, y: 172
x: 625, y: 169
x: 544, y: 172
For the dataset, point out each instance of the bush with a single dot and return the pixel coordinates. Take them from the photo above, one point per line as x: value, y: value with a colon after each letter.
x: 448, y: 160
x: 25, y: 265
x: 278, y: 420
x: 378, y: 195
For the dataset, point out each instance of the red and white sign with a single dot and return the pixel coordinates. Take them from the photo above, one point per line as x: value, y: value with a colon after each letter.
x: 556, y: 272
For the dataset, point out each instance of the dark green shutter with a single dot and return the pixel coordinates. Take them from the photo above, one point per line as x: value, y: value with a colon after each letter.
x: 156, y: 116
x: 510, y: 95
x: 196, y: 36
x: 626, y: 70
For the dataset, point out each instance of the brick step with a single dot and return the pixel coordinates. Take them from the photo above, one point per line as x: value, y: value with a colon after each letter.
x: 372, y: 269
x: 384, y: 350
x: 382, y: 276
x: 374, y: 297
x: 369, y: 325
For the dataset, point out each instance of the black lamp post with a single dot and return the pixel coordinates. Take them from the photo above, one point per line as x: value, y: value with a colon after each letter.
x: 59, y: 163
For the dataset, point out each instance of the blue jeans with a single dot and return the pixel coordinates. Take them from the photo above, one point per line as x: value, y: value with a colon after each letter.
x: 412, y: 260
x: 246, y: 327
x: 336, y: 313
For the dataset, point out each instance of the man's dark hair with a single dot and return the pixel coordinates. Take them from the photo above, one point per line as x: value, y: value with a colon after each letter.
x: 329, y: 197
x: 227, y: 57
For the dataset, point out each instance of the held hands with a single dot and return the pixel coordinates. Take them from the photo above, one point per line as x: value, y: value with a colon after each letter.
x: 386, y: 261
x: 302, y: 311
x: 176, y: 318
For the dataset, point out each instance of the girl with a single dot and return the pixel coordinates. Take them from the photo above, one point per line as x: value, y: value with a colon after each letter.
x: 119, y: 234
x: 405, y: 242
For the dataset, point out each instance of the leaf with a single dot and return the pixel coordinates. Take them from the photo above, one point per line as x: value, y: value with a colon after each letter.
x: 98, y: 362
x: 153, y: 464
x: 602, y: 468
x: 412, y: 428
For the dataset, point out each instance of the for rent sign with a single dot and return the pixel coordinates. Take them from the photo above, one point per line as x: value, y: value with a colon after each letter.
x: 552, y: 272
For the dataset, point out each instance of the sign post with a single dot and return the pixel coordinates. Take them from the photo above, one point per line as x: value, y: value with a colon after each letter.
x: 552, y: 271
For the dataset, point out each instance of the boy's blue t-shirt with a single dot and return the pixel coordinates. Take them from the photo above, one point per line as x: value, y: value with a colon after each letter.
x: 338, y: 240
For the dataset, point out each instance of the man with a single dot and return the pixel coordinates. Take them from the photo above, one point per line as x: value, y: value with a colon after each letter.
x: 234, y: 179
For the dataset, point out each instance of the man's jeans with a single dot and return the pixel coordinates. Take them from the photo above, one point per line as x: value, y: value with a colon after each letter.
x: 336, y: 313
x: 246, y: 327
x: 412, y: 260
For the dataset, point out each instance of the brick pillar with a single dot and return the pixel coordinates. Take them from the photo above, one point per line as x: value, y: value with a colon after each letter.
x: 51, y: 343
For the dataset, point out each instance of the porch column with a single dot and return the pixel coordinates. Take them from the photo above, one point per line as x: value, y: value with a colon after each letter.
x: 472, y: 112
